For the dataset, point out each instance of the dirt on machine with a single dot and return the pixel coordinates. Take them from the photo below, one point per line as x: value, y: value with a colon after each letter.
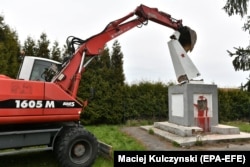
x: 41, y: 108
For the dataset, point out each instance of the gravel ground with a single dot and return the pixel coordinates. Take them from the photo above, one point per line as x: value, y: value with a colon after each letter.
x: 153, y: 142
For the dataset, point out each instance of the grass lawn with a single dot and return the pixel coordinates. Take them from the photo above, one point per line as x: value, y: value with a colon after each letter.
x: 113, y: 136
x: 243, y: 126
x: 108, y: 134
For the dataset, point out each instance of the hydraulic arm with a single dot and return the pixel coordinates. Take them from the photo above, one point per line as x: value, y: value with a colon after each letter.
x: 70, y: 75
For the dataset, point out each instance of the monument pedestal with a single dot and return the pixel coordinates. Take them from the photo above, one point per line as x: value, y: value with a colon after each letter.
x: 193, y: 105
x: 193, y: 116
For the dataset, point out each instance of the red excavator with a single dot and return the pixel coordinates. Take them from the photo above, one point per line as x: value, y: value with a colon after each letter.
x: 40, y: 107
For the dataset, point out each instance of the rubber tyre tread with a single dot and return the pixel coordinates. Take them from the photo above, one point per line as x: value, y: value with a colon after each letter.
x: 68, y: 137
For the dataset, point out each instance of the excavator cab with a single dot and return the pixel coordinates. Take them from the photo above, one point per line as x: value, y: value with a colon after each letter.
x: 37, y: 69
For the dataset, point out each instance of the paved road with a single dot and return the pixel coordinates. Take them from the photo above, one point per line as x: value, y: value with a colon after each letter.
x: 153, y: 142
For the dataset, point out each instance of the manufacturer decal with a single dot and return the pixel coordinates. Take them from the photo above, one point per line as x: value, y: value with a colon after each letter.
x: 69, y: 104
x: 23, y: 104
x: 35, y: 104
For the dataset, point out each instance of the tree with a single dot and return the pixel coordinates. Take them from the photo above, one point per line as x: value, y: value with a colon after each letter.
x: 9, y: 50
x: 105, y: 75
x: 97, y: 77
x: 65, y: 52
x: 56, y: 52
x: 43, y: 46
x: 117, y: 64
x: 29, y: 47
x: 233, y: 7
x: 241, y: 55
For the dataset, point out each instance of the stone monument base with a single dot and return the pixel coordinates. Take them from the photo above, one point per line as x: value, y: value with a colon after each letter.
x: 193, y: 105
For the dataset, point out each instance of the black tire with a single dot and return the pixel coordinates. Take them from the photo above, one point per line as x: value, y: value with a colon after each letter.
x: 76, y: 147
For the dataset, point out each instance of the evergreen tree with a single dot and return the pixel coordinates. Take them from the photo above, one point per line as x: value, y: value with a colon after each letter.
x: 96, y: 77
x: 9, y: 50
x: 117, y: 64
x: 65, y: 52
x: 43, y: 46
x: 241, y: 55
x: 105, y: 65
x: 234, y: 7
x: 29, y: 47
x: 56, y: 52
x: 116, y: 81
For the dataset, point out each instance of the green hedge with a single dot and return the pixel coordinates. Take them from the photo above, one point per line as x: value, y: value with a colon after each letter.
x: 150, y: 101
x: 234, y: 104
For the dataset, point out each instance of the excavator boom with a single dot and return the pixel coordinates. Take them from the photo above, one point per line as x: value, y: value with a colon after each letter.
x: 95, y: 44
x: 70, y: 76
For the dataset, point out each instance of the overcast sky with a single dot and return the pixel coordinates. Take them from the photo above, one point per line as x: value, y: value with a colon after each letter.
x: 146, y: 54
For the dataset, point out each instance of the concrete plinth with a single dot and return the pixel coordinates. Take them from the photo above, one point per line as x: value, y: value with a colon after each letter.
x: 225, y: 129
x: 188, y: 136
x: 188, y: 131
x: 193, y: 105
x: 179, y: 130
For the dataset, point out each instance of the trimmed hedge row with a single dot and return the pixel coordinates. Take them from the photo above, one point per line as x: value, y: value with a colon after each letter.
x: 150, y: 101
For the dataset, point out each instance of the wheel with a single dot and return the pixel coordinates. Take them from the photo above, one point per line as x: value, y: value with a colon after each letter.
x: 76, y: 147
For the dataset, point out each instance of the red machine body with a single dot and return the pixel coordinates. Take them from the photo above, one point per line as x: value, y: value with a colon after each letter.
x: 34, y: 101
